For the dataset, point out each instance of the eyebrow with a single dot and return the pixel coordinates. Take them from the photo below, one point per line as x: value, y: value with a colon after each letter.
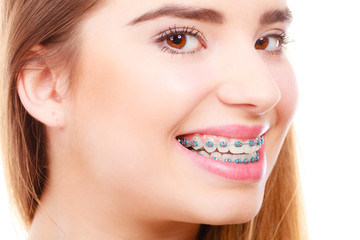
x: 277, y: 15
x: 208, y: 15
x: 187, y: 12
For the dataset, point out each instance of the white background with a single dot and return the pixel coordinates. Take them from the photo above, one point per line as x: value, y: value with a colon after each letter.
x: 326, y: 57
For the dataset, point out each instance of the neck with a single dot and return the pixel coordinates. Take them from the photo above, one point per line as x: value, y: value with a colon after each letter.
x: 70, y: 216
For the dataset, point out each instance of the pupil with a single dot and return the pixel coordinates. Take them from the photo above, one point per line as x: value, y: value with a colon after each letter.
x: 176, y: 39
x: 260, y: 41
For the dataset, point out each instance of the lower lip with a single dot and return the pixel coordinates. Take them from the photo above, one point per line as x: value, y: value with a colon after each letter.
x: 251, y: 172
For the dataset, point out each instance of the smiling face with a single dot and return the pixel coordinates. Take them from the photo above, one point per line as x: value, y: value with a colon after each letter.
x: 152, y: 74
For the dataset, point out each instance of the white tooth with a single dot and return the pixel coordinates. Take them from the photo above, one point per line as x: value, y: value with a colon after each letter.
x: 237, y: 158
x: 196, y: 143
x: 210, y: 145
x: 257, y: 155
x: 216, y: 155
x: 253, y: 149
x: 223, y: 145
x: 246, y: 158
x: 247, y: 148
x: 203, y: 153
x: 253, y: 156
x: 186, y: 142
x: 236, y: 146
x: 259, y: 146
x: 227, y: 157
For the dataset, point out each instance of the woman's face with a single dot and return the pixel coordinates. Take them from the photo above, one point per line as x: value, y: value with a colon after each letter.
x: 153, y: 75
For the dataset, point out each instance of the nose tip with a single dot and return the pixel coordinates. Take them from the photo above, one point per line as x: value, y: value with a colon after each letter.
x: 257, y: 95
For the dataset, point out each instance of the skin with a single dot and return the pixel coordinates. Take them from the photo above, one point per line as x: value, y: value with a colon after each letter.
x: 115, y: 172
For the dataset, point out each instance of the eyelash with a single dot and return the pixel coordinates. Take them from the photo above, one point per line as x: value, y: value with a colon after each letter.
x: 283, y: 39
x: 173, y: 31
x: 160, y: 39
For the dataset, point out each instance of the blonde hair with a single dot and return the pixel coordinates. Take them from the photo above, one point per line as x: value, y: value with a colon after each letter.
x: 53, y: 24
x: 26, y: 23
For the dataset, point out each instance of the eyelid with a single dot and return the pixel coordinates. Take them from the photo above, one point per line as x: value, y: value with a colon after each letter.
x: 279, y: 34
x: 273, y: 32
x: 180, y: 30
x: 160, y: 39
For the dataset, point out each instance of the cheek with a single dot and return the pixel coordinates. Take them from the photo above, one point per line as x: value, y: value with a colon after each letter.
x: 284, y: 110
x: 140, y: 94
x: 285, y: 77
x: 120, y: 111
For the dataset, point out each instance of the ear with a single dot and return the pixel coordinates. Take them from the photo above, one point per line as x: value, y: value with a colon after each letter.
x: 39, y: 91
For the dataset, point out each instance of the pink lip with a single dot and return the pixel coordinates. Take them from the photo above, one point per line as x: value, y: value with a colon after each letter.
x: 250, y: 172
x: 232, y: 131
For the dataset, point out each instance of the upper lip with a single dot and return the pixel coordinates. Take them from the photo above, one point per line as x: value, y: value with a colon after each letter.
x: 232, y: 131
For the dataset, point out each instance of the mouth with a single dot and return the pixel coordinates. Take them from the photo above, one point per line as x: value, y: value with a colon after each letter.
x: 229, y: 150
x: 235, y: 152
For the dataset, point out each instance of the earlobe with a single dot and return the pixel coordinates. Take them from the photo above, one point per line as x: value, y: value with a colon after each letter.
x: 37, y: 89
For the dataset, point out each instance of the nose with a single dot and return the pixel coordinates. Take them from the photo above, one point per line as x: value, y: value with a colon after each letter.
x: 247, y: 82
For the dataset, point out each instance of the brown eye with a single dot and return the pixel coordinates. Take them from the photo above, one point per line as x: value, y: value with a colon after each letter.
x: 177, y: 41
x: 262, y: 43
x: 181, y: 41
x: 273, y: 43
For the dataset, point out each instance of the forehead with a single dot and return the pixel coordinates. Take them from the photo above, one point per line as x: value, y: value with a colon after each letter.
x: 233, y: 10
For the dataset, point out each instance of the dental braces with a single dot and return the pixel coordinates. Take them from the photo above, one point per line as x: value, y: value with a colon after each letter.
x: 244, y: 158
x: 222, y: 143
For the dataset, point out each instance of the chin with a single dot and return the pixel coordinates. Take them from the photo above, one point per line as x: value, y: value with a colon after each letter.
x: 234, y: 216
x: 228, y: 210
